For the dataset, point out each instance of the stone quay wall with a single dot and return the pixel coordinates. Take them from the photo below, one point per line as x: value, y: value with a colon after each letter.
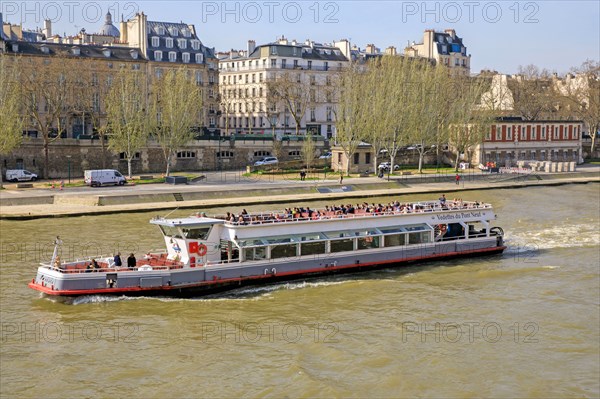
x: 82, y: 154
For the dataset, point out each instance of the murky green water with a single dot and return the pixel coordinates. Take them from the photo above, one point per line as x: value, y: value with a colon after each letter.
x: 523, y: 324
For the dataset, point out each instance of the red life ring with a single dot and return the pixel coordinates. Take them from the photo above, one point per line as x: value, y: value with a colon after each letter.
x: 202, y: 250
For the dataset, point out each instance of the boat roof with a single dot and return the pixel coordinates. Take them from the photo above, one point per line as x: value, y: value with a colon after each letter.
x: 188, y: 221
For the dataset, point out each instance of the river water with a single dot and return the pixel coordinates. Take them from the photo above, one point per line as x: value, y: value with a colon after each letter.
x: 522, y: 324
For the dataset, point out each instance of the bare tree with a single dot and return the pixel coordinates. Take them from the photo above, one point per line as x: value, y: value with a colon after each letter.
x: 308, y: 151
x: 178, y: 103
x: 47, y: 95
x: 350, y: 114
x: 11, y: 123
x: 128, y: 118
x: 533, y: 93
x: 582, y: 95
x: 289, y: 89
x: 468, y: 123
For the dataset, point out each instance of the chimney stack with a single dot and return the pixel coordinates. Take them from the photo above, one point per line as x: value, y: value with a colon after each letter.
x: 47, y: 28
x: 251, y: 47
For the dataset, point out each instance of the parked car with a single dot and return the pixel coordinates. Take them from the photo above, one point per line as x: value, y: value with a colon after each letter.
x: 103, y: 177
x: 20, y: 175
x: 385, y: 166
x: 267, y: 161
x: 327, y: 155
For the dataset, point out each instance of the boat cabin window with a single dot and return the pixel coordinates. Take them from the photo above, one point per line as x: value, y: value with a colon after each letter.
x: 284, y: 251
x: 170, y: 231
x: 419, y: 238
x: 395, y: 240
x: 342, y: 245
x: 196, y: 233
x: 257, y: 253
x: 312, y: 248
x: 367, y: 242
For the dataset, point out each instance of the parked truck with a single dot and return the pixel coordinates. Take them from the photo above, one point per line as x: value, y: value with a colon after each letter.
x: 103, y: 177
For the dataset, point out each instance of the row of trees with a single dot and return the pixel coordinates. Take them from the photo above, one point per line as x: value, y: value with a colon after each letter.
x: 130, y: 106
x: 393, y: 102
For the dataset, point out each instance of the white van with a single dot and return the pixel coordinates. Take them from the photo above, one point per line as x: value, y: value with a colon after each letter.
x: 20, y: 175
x: 102, y: 177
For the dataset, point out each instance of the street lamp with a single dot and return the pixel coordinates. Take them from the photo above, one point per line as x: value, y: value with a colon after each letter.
x: 69, y: 167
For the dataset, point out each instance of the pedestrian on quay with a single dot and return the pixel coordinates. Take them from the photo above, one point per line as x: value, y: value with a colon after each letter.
x: 457, y: 179
x: 341, y: 177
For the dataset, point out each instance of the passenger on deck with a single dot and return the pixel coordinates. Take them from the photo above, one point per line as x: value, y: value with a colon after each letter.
x: 117, y: 259
x: 131, y: 261
x: 93, y: 266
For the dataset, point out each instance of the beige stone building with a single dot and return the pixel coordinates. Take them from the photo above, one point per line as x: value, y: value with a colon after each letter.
x: 445, y: 48
x: 248, y: 107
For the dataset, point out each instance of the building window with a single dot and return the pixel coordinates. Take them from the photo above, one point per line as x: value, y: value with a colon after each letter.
x: 509, y: 133
x: 273, y: 63
x: 295, y: 153
x: 356, y: 158
x: 309, y: 64
x: 368, y: 158
x: 158, y: 56
x: 174, y: 31
x: 123, y: 156
x: 283, y: 62
x: 96, y: 102
x: 199, y: 58
x: 198, y: 78
x: 161, y: 30
x: 195, y: 44
x: 186, y: 154
x: 544, y: 133
x: 172, y: 56
x: 225, y: 154
x: 169, y: 42
x: 523, y: 133
x: 313, y: 116
x: 155, y: 41
x: 533, y: 137
x: 262, y: 154
x: 273, y: 50
x: 185, y: 57
x: 182, y: 43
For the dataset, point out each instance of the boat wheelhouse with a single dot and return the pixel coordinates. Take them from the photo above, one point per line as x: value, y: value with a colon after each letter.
x: 214, y: 254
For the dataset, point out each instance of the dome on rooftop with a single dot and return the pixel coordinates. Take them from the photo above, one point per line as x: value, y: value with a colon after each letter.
x: 109, y: 29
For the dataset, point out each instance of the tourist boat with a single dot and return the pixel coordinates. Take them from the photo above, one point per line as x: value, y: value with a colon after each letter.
x: 210, y: 254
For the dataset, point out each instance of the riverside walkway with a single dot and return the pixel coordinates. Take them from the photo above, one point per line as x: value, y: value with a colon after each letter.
x: 234, y: 190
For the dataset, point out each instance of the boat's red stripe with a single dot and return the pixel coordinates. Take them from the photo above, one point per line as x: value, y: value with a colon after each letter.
x: 49, y: 291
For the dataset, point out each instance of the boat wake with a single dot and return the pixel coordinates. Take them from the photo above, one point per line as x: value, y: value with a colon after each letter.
x: 579, y: 235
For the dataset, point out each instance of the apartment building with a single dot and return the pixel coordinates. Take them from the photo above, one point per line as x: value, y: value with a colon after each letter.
x: 247, y: 99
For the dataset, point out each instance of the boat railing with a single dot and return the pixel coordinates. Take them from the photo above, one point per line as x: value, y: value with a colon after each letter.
x: 156, y: 259
x: 410, y: 208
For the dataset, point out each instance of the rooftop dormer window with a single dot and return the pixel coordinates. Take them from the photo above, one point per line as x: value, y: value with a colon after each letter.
x: 155, y: 41
x: 106, y: 52
x: 186, y: 32
x: 134, y: 54
x: 196, y: 44
x: 172, y: 56
x: 76, y: 51
x: 174, y: 31
x: 185, y: 57
x: 169, y: 42
x: 160, y: 30
x: 45, y: 49
x: 182, y: 43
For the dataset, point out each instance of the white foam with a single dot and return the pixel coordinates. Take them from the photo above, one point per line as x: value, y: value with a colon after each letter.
x: 579, y: 235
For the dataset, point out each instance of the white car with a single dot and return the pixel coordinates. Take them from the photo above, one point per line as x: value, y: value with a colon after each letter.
x: 15, y: 175
x: 385, y: 166
x: 267, y: 161
x: 327, y: 155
